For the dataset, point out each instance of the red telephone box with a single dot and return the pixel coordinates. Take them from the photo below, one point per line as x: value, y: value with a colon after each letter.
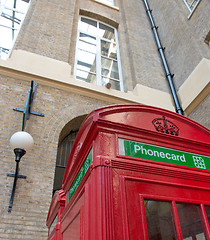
x: 54, y: 216
x: 137, y: 172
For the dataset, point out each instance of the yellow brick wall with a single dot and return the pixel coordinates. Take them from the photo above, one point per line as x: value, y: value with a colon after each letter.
x: 33, y: 195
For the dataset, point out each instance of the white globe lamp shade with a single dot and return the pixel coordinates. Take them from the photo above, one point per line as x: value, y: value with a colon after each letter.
x: 22, y: 140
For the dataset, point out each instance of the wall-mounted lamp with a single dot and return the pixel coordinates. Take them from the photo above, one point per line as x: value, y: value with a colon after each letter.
x: 21, y: 142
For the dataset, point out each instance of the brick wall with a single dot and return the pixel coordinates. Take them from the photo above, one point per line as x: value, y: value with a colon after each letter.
x: 182, y: 37
x: 50, y: 29
x: 47, y: 29
x: 33, y: 195
x: 202, y: 113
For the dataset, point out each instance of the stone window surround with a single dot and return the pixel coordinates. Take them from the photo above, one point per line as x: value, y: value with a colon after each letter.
x: 27, y: 66
x: 101, y: 38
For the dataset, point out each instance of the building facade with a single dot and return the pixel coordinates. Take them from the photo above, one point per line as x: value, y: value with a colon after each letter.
x: 84, y: 55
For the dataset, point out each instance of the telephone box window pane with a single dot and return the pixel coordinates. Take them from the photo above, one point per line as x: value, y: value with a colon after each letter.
x: 190, y: 221
x: 160, y: 222
x: 208, y: 213
x: 53, y: 224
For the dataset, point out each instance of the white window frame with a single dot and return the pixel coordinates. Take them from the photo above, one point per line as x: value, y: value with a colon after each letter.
x: 3, y: 6
x: 190, y: 8
x: 108, y: 2
x: 98, y: 53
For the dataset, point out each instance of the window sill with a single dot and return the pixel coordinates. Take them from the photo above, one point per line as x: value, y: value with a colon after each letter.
x: 107, y: 5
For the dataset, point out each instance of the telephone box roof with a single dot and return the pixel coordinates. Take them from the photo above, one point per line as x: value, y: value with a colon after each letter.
x: 148, y: 121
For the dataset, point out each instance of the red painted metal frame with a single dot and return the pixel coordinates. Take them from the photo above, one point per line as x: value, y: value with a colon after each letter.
x: 179, y: 196
x: 56, y: 209
x: 108, y: 203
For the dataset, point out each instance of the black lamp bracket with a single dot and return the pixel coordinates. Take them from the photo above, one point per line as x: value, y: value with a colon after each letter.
x: 18, y: 154
x: 28, y: 106
x: 18, y: 176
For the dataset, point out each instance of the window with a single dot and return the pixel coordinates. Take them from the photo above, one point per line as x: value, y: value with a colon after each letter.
x: 109, y: 2
x: 65, y: 144
x: 97, y: 56
x: 64, y: 149
x: 191, y: 4
x: 12, y: 14
x: 161, y: 223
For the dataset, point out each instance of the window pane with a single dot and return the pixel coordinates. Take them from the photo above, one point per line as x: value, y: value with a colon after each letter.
x: 85, y: 67
x: 87, y: 38
x: 12, y: 14
x: 87, y: 43
x: 208, y: 213
x: 114, y: 83
x: 85, y: 76
x: 106, y: 32
x: 159, y: 220
x: 87, y: 61
x: 190, y: 221
x: 6, y: 42
x: 63, y: 154
x: 59, y: 153
x: 20, y: 5
x: 109, y: 68
x: 86, y: 47
x: 8, y: 14
x: 88, y: 26
x: 108, y: 49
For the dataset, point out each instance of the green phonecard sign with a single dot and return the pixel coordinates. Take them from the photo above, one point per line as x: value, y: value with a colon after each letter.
x: 81, y: 174
x: 161, y: 154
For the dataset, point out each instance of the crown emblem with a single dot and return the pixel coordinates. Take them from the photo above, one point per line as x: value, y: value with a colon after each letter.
x: 165, y: 126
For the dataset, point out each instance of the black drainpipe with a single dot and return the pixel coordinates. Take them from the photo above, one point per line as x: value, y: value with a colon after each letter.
x: 167, y: 71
